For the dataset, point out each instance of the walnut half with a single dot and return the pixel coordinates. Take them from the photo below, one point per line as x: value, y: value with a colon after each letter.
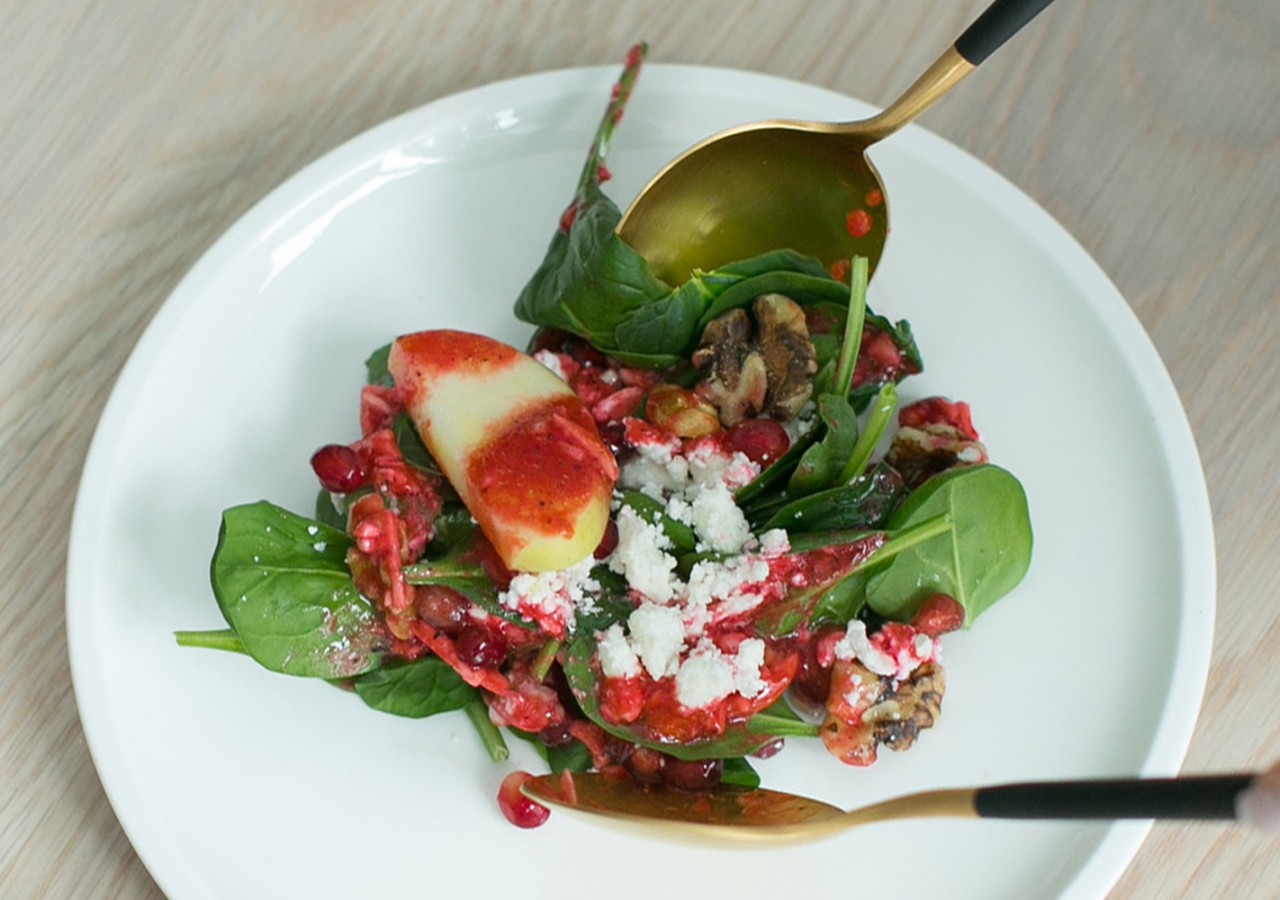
x: 766, y: 369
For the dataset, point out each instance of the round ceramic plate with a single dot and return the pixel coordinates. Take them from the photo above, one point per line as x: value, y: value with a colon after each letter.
x: 234, y: 783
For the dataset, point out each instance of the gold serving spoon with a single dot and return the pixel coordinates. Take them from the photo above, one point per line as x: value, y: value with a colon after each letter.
x: 807, y: 186
x: 735, y: 816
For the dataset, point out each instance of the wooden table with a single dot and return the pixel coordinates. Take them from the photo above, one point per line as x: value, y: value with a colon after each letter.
x: 133, y: 133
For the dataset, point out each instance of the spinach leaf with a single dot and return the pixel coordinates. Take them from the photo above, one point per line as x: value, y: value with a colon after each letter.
x: 282, y: 584
x: 739, y: 773
x: 823, y: 461
x: 780, y: 720
x: 738, y: 739
x: 866, y: 503
x: 592, y: 284
x: 328, y: 513
x: 376, y: 371
x: 682, y: 537
x: 844, y: 588
x: 467, y: 577
x: 573, y: 756
x: 416, y: 689
x: 613, y: 604
x: 412, y: 448
x: 981, y: 559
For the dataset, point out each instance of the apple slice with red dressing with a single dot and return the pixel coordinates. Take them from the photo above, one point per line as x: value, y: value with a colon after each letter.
x: 515, y: 442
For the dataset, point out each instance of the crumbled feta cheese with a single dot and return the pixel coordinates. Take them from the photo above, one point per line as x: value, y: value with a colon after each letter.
x: 746, y: 668
x: 641, y: 557
x: 617, y: 659
x: 704, y: 678
x: 922, y: 644
x: 855, y: 645
x: 728, y: 581
x: 718, y: 521
x: 657, y: 638
x: 774, y: 542
x: 551, y: 360
x: 553, y: 598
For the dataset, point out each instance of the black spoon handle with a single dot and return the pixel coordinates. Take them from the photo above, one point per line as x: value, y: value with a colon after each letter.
x: 1001, y: 21
x: 1198, y: 797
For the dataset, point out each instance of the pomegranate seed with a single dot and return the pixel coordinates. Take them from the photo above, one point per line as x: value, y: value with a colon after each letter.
x: 646, y: 765
x: 481, y: 648
x: 693, y: 774
x: 338, y: 468
x: 443, y: 608
x: 608, y: 542
x: 556, y: 735
x: 759, y: 440
x: 938, y: 614
x: 519, y: 810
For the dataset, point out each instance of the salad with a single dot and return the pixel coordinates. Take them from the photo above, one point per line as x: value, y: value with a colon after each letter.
x: 688, y: 524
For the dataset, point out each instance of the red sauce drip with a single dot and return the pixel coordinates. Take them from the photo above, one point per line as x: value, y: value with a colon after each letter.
x: 858, y: 223
x: 840, y: 270
x: 874, y: 197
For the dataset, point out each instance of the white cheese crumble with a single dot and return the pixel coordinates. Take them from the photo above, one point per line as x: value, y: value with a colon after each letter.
x: 856, y: 645
x: 718, y: 521
x: 642, y: 558
x: 657, y: 638
x: 553, y: 597
x: 617, y: 659
x: 709, y: 675
x: 666, y: 634
x: 704, y: 678
x: 551, y: 360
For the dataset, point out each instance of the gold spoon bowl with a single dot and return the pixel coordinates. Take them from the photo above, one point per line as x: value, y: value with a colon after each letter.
x: 807, y: 186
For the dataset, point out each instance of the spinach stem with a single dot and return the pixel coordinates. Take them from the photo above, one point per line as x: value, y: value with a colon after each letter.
x: 223, y: 639
x: 865, y: 445
x: 905, y: 540
x: 546, y: 656
x: 852, y: 340
x: 490, y: 736
x: 764, y: 723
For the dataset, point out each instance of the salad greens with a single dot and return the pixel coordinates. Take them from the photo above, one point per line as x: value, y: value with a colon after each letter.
x: 287, y: 590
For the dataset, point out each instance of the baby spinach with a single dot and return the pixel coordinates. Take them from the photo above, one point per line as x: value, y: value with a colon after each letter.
x: 376, y: 371
x: 823, y: 461
x: 982, y: 557
x: 738, y: 739
x: 866, y: 502
x: 739, y: 773
x: 466, y: 576
x: 683, y: 539
x: 282, y: 584
x: 591, y: 283
x: 414, y: 689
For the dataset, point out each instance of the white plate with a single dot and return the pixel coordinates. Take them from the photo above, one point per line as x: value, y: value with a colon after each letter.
x: 235, y: 783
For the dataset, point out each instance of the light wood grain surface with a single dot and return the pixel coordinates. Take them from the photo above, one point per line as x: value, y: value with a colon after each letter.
x: 133, y: 133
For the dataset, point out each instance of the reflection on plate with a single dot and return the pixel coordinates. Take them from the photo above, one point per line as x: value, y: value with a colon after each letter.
x: 235, y: 783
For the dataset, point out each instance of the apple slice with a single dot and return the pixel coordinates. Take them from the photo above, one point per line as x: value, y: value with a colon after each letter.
x: 515, y: 442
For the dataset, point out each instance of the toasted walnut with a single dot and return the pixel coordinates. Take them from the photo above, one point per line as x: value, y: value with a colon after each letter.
x: 767, y: 369
x: 736, y: 378
x: 783, y: 338
x: 867, y: 710
x: 919, y: 453
x: 913, y: 706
